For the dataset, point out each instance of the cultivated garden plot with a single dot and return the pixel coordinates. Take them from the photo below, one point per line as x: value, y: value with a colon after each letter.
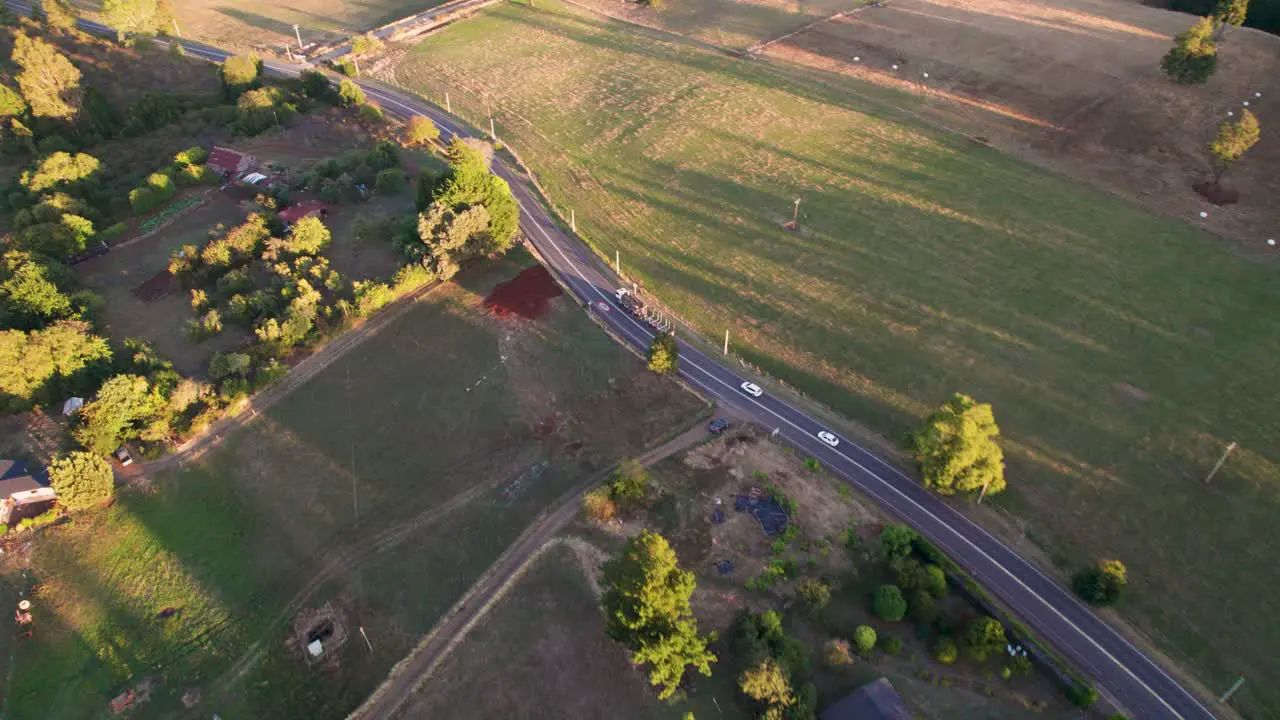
x: 925, y: 264
x: 363, y: 505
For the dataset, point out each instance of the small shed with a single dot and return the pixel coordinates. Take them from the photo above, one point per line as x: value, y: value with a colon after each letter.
x: 229, y: 162
x: 302, y: 210
x: 874, y: 701
x: 23, y: 494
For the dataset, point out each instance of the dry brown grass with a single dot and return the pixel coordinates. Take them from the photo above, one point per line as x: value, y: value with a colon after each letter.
x: 1074, y: 85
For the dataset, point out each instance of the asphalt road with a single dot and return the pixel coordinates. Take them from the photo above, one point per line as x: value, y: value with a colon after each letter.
x: 1141, y: 686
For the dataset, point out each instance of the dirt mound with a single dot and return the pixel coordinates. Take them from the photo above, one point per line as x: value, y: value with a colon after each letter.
x: 1216, y: 194
x: 527, y: 295
x: 160, y: 284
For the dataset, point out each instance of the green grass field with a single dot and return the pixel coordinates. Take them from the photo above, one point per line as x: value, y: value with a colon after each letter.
x: 1121, y: 351
x: 385, y: 486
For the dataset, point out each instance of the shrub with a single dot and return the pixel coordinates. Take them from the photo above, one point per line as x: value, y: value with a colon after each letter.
x: 420, y: 130
x: 191, y: 156
x: 1082, y: 696
x: 891, y: 645
x: 945, y: 651
x: 390, y: 182
x: 370, y: 114
x: 888, y: 603
x: 350, y: 94
x: 984, y: 636
x: 921, y: 607
x: 598, y: 506
x: 366, y: 45
x: 629, y: 483
x: 1103, y: 584
x: 346, y: 66
x: 816, y: 594
x: 112, y: 232
x: 316, y: 86
x: 205, y: 327
x: 897, y: 541
x: 81, y: 480
x: 836, y: 653
x: 864, y: 639
x: 154, y: 191
x: 371, y: 296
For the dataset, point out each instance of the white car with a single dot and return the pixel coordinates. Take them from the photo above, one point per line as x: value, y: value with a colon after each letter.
x: 752, y: 389
x: 828, y: 438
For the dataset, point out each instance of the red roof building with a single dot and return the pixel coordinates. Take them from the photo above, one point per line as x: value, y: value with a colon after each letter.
x: 305, y: 209
x: 230, y: 162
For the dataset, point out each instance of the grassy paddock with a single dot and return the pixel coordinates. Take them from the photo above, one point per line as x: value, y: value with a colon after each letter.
x: 1122, y: 351
x: 386, y: 486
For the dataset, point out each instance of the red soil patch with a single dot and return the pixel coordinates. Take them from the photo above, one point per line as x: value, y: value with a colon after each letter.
x: 160, y: 284
x: 528, y: 294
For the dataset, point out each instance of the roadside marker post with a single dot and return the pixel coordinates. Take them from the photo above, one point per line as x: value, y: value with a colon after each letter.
x: 1221, y: 461
x: 1227, y: 695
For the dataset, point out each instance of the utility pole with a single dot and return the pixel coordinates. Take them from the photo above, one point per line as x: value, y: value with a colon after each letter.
x: 288, y: 53
x: 795, y: 217
x: 447, y: 105
x: 1221, y: 460
x: 573, y: 220
x: 356, y: 61
x: 726, y: 341
x: 983, y: 494
x: 493, y: 134
x: 298, y: 34
x: 176, y: 31
x: 617, y: 263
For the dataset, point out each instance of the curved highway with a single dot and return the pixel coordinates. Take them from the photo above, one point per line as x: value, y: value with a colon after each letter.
x: 1140, y: 685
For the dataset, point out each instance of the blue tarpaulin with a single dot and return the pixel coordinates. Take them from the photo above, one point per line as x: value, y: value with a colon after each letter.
x: 773, y: 519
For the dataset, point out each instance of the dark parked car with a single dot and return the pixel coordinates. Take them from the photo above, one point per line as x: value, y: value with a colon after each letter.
x: 718, y: 426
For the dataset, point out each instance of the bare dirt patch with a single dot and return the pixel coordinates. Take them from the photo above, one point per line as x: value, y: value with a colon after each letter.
x: 527, y: 295
x: 160, y: 284
x: 1071, y: 84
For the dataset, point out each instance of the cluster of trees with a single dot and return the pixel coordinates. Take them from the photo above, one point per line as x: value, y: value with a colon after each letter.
x: 273, y: 281
x: 773, y: 668
x: 646, y: 607
x: 340, y: 179
x: 467, y: 213
x: 139, y: 17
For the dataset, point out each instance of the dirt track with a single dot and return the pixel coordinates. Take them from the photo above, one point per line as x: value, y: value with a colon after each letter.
x: 409, y: 674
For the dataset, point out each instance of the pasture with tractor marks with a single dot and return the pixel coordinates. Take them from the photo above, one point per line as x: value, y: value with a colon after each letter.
x: 1122, y: 351
x: 363, y: 505
x: 249, y: 24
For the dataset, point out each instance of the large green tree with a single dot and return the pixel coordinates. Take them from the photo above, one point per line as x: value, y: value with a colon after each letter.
x: 124, y: 405
x: 29, y: 294
x: 29, y: 362
x: 1230, y: 12
x: 767, y: 683
x: 11, y: 103
x: 81, y: 480
x: 1194, y: 54
x: 58, y: 14
x: 470, y: 183
x: 1233, y: 140
x: 60, y: 169
x: 646, y: 607
x: 132, y: 16
x: 956, y: 448
x: 240, y: 73
x: 664, y: 354
x: 48, y: 80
